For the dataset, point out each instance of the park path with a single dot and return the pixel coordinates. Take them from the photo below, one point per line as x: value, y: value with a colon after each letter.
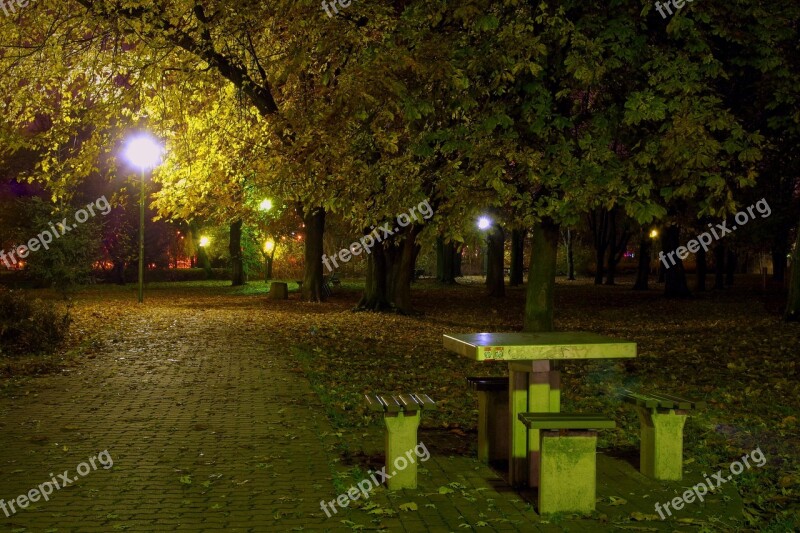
x: 209, y: 425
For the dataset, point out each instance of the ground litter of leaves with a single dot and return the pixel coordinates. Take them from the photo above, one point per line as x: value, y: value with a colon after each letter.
x: 729, y: 348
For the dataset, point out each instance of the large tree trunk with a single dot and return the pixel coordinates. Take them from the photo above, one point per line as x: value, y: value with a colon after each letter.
x: 598, y: 223
x: 792, y: 313
x: 617, y: 246
x: 541, y: 277
x: 702, y: 269
x: 643, y: 269
x: 675, y: 285
x: 719, y: 267
x: 375, y: 296
x: 517, y: 257
x: 445, y: 261
x: 238, y: 274
x: 730, y: 267
x: 314, y: 221
x: 403, y: 271
x: 569, y: 242
x: 780, y: 248
x: 495, y: 246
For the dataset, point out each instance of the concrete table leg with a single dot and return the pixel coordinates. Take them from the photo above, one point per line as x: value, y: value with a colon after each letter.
x: 401, y: 436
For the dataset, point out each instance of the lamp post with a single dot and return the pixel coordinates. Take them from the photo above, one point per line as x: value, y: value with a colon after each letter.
x: 484, y: 223
x: 269, y: 250
x: 143, y: 152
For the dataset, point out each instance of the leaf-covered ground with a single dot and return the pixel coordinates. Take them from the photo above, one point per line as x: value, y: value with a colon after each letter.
x: 729, y: 348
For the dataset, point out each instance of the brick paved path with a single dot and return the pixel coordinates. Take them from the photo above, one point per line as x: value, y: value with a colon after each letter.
x: 212, y: 426
x: 209, y: 429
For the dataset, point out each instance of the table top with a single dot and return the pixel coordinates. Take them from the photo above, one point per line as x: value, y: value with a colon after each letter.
x: 538, y: 346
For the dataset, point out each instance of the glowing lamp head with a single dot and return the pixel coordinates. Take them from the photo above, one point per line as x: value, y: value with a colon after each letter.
x: 204, y: 241
x: 654, y: 234
x: 484, y: 223
x: 265, y: 205
x: 143, y: 152
x: 269, y: 246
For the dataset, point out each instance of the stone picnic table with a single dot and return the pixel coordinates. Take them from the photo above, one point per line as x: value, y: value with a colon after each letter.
x: 534, y: 382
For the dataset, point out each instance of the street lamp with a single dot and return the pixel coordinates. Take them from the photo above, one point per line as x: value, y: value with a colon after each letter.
x: 484, y: 223
x: 204, y: 241
x: 269, y: 250
x: 265, y: 205
x: 654, y: 234
x: 143, y: 152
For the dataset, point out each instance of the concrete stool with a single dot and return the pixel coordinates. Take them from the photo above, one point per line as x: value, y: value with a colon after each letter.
x: 493, y: 429
x: 401, y: 413
x: 568, y: 462
x: 661, y: 419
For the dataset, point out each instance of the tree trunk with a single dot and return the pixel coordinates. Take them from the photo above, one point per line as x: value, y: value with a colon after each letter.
x: 702, y: 269
x: 517, y: 257
x: 541, y: 277
x: 118, y: 272
x: 314, y: 220
x: 457, y: 256
x: 569, y: 241
x: 600, y: 237
x: 719, y: 267
x: 730, y: 267
x: 375, y: 293
x: 495, y: 246
x: 780, y: 248
x: 675, y: 276
x: 445, y: 261
x: 792, y: 313
x: 238, y: 274
x: 403, y: 271
x: 643, y: 269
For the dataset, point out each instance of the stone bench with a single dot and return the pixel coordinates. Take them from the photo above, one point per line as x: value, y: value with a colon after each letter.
x: 661, y: 419
x: 567, y: 460
x: 401, y: 414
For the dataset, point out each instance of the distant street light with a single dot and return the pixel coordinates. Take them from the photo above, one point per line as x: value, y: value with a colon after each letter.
x: 269, y: 249
x: 265, y: 205
x: 143, y: 152
x: 654, y: 234
x: 204, y: 241
x: 484, y: 223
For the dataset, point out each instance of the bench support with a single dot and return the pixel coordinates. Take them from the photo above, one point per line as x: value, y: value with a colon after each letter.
x: 492, y: 425
x: 661, y: 448
x: 567, y: 475
x: 401, y: 436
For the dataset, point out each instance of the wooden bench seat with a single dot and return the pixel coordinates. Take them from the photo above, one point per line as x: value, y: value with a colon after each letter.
x: 493, y: 430
x: 661, y: 417
x: 567, y: 459
x: 401, y: 414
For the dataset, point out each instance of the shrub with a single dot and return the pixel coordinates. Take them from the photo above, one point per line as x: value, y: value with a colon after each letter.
x: 29, y: 326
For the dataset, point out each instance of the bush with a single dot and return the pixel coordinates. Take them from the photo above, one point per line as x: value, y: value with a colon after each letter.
x: 29, y: 326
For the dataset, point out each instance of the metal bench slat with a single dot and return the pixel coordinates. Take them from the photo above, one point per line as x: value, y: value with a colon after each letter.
x: 566, y: 421
x: 374, y: 403
x: 392, y: 405
x: 425, y: 401
x: 676, y: 403
x: 643, y: 400
x: 488, y: 383
x: 409, y: 402
x: 684, y: 401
